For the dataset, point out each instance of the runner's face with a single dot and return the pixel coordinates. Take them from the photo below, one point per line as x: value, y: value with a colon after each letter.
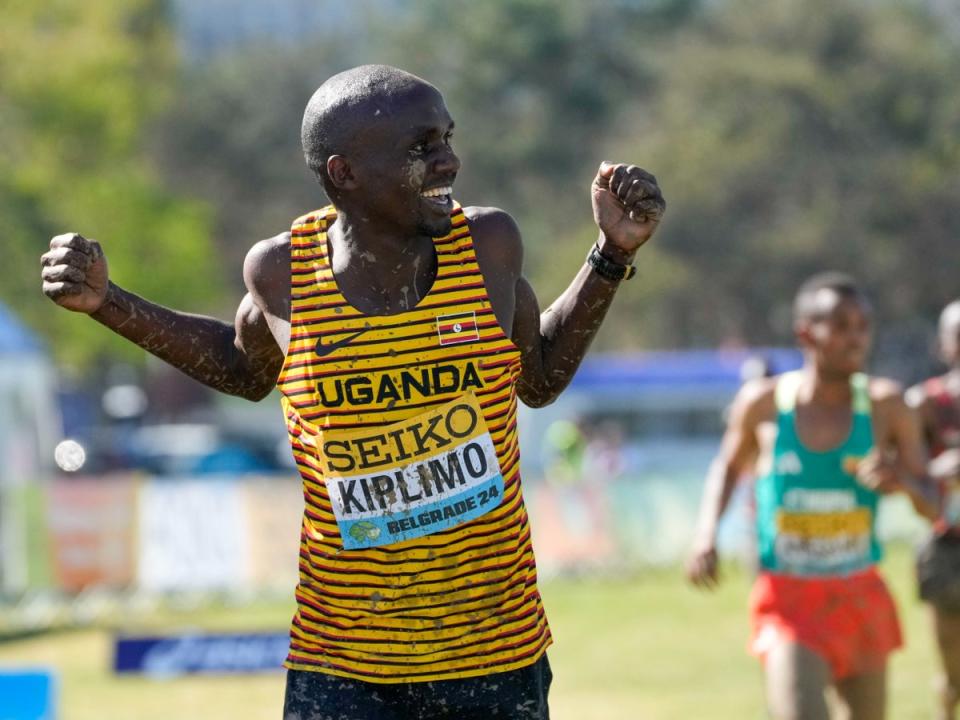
x: 839, y: 338
x: 408, y: 166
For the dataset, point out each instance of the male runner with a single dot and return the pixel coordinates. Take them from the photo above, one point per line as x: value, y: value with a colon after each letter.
x: 400, y: 331
x: 937, y: 401
x: 825, y: 441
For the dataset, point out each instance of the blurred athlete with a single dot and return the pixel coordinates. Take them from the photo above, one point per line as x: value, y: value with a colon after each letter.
x: 826, y: 442
x: 937, y: 400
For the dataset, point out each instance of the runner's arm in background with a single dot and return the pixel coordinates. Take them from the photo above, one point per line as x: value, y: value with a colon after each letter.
x: 944, y: 468
x: 240, y: 359
x: 739, y: 452
x: 899, y: 464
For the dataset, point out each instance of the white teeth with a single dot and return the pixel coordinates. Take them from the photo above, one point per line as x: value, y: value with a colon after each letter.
x: 437, y: 192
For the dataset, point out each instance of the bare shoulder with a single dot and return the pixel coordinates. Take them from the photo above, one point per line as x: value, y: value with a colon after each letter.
x: 886, y: 396
x: 756, y: 401
x: 917, y: 396
x: 266, y: 269
x: 497, y: 240
x: 884, y: 391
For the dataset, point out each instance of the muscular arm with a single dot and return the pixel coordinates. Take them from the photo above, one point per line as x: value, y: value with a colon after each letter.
x: 917, y: 399
x: 902, y: 435
x: 627, y: 208
x: 234, y: 359
x: 553, y: 343
x: 739, y: 451
x: 909, y: 440
x: 240, y: 359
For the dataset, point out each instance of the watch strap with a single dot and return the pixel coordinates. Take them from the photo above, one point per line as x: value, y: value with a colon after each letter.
x: 607, y: 268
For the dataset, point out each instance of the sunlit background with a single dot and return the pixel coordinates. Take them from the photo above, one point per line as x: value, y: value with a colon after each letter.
x: 788, y: 137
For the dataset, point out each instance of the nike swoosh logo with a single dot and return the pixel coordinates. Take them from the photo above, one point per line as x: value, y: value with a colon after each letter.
x: 323, y: 349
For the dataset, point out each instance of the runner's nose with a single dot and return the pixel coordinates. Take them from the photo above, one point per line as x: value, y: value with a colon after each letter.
x: 447, y: 162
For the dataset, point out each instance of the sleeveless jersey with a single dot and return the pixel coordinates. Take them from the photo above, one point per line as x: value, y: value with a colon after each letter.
x: 946, y: 435
x: 416, y: 560
x: 813, y: 517
x: 947, y: 432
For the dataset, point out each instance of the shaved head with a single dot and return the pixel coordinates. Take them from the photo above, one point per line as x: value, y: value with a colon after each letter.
x: 950, y: 317
x: 816, y: 295
x: 347, y: 103
x: 948, y: 331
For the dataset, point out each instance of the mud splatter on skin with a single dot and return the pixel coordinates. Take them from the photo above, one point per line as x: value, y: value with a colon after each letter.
x: 416, y: 171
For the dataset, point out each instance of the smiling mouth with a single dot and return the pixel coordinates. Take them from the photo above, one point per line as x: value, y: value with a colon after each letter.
x: 439, y: 196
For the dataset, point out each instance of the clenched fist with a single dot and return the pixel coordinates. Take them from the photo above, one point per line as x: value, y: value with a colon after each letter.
x: 627, y: 205
x: 75, y: 273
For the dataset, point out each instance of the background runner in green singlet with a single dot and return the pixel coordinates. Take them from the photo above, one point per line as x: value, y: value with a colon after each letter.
x: 825, y: 442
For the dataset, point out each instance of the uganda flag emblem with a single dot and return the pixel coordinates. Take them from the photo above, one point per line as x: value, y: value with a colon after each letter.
x: 458, y: 328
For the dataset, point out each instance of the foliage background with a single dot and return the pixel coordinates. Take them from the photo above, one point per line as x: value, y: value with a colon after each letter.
x: 789, y: 138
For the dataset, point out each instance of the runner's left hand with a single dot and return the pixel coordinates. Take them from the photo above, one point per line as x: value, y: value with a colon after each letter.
x: 627, y: 207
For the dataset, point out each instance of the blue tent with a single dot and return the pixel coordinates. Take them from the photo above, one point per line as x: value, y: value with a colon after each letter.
x: 15, y: 337
x: 676, y: 370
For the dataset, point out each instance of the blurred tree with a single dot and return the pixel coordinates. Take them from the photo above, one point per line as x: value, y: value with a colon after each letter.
x: 536, y: 88
x: 794, y: 137
x: 79, y: 83
x: 232, y: 138
x: 789, y: 137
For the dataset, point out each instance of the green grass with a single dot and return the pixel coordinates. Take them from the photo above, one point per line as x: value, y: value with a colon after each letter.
x: 30, y: 501
x: 647, y: 647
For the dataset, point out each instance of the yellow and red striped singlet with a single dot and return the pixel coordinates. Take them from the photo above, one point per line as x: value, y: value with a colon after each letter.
x: 415, y: 554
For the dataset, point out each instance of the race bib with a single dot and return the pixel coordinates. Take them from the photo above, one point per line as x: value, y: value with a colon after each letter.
x: 413, y: 478
x: 822, y: 531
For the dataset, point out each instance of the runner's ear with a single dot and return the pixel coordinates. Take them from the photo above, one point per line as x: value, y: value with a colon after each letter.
x: 340, y: 173
x: 802, y: 332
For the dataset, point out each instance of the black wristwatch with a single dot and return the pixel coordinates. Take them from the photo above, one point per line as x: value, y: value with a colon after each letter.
x: 607, y: 268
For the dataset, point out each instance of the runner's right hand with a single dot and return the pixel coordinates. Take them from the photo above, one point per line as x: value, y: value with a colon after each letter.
x: 702, y: 568
x: 75, y: 273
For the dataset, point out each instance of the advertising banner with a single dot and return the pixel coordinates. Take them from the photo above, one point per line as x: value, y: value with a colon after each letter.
x: 193, y: 536
x: 274, y: 510
x: 91, y: 524
x: 201, y: 654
